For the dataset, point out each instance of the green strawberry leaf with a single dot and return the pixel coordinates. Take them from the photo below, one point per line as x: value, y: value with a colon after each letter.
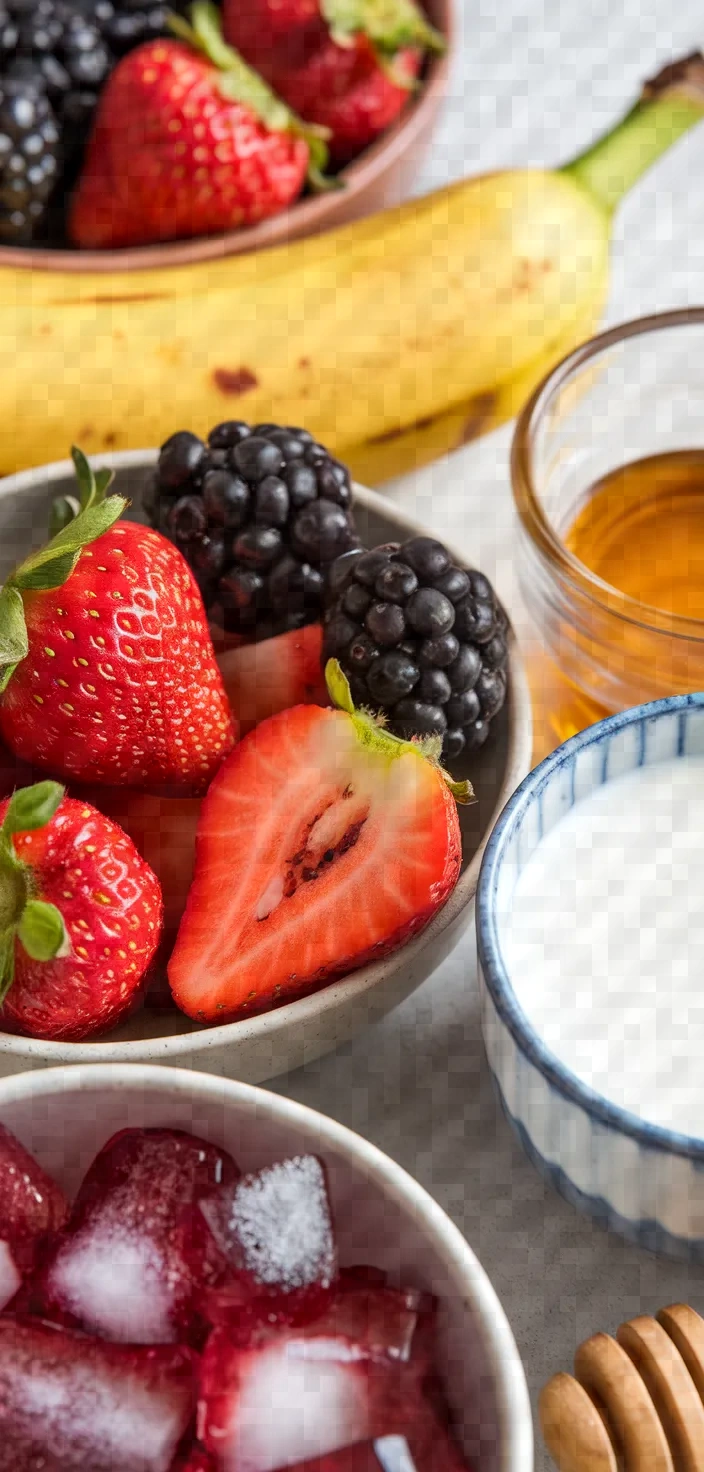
x: 42, y: 932
x: 92, y: 485
x: 7, y: 962
x: 240, y: 83
x: 33, y: 807
x: 14, y: 644
x: 64, y: 509
x: 389, y: 24
x: 53, y: 564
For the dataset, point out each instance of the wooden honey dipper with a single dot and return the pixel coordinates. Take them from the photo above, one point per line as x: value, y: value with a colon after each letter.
x: 636, y: 1403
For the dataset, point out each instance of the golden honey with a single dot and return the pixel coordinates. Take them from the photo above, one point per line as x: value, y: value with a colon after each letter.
x: 640, y: 532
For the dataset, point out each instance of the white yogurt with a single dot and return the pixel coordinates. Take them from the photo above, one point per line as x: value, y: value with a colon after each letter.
x: 605, y: 942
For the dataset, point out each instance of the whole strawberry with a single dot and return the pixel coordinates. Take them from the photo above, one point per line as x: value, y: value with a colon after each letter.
x: 80, y: 916
x: 189, y: 141
x: 346, y: 65
x: 106, y: 664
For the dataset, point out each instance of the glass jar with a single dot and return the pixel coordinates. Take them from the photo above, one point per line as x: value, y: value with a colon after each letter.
x: 632, y: 393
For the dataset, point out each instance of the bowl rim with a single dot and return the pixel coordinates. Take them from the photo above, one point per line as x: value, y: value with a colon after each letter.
x: 509, y: 1380
x: 312, y: 213
x: 318, y: 1004
x: 490, y: 954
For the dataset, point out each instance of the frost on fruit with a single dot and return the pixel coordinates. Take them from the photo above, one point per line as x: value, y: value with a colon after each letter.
x: 137, y: 1254
x: 118, y: 1282
x: 277, y: 1225
x: 77, y: 1405
x: 268, y: 1407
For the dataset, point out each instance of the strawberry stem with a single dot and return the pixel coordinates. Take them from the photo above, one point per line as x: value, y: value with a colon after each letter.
x: 240, y: 83
x: 371, y: 732
x: 53, y: 564
x: 391, y: 25
x: 38, y: 926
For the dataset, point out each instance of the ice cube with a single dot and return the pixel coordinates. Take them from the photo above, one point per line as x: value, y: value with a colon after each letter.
x: 274, y: 1394
x: 276, y: 1226
x: 137, y: 1255
x: 73, y: 1404
x: 31, y: 1208
x: 265, y: 1407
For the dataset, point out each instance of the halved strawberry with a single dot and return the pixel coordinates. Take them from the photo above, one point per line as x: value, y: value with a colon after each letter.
x: 262, y: 679
x: 324, y: 842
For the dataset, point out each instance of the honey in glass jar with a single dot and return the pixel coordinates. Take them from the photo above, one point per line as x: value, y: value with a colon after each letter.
x: 608, y: 475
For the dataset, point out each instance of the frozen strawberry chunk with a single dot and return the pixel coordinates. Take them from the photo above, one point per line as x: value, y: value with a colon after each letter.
x: 73, y: 1404
x: 137, y: 1254
x: 275, y: 1227
x: 196, y: 1460
x: 300, y: 1391
x: 434, y: 1452
x: 31, y: 1208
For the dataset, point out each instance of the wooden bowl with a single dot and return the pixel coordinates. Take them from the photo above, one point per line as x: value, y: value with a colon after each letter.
x: 379, y: 178
x: 258, y: 1048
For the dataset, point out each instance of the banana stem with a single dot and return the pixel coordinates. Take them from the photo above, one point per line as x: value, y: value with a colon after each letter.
x: 671, y: 104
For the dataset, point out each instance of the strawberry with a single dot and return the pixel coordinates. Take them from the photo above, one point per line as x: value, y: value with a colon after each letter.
x: 349, y: 69
x: 13, y: 772
x: 32, y: 1208
x: 265, y: 678
x: 80, y: 916
x: 106, y: 662
x: 197, y: 1460
x: 349, y: 1374
x: 189, y: 141
x: 163, y: 831
x: 73, y: 1404
x: 324, y: 842
x: 136, y: 1257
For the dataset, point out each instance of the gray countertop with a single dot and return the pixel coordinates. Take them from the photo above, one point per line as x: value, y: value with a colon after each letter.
x: 534, y: 82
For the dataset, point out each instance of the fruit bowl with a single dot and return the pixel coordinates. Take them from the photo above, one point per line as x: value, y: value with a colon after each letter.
x: 273, y: 1042
x: 64, y: 1116
x: 380, y: 177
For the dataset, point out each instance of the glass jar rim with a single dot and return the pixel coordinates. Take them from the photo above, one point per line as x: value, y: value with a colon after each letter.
x: 528, y: 504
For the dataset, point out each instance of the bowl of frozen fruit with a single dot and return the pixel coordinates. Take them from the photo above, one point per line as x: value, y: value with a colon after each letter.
x: 256, y: 728
x: 198, y: 1276
x: 135, y: 133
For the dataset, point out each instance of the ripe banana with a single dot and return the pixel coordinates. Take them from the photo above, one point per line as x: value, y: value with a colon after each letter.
x: 392, y: 339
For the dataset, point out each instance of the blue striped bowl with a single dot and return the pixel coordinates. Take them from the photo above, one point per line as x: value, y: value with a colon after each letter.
x: 642, y: 1181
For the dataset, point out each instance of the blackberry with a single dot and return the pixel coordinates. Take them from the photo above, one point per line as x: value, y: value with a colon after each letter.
x: 65, y: 50
x: 29, y: 158
x: 420, y: 639
x: 260, y: 514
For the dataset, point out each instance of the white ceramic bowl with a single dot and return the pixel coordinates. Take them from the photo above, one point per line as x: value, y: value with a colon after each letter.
x: 260, y: 1047
x: 641, y: 1180
x: 64, y: 1116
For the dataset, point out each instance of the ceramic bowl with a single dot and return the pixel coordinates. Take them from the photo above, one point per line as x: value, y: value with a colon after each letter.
x: 64, y: 1116
x: 260, y: 1047
x: 645, y: 1182
x: 380, y: 177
